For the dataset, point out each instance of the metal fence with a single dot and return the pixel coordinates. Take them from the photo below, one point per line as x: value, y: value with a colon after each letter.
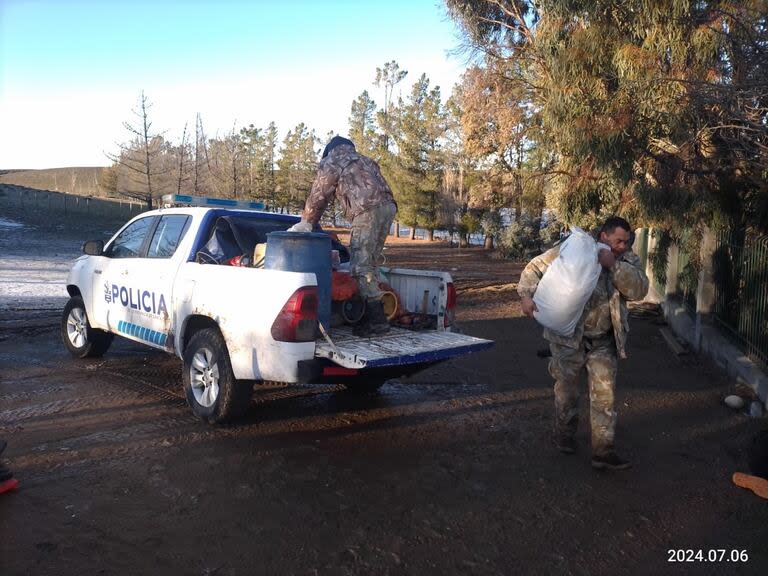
x: 741, y: 292
x: 52, y: 205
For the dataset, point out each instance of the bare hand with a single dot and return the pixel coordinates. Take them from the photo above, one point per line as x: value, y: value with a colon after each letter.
x: 528, y: 306
x: 606, y: 258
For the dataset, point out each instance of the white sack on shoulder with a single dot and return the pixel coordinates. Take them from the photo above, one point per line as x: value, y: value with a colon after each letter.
x: 568, y: 284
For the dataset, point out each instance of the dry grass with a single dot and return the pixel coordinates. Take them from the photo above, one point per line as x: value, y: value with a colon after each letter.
x: 79, y: 181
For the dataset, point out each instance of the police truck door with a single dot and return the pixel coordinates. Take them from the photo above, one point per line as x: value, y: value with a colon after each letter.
x: 138, y: 288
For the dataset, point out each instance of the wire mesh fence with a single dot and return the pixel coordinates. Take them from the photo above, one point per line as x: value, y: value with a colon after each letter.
x: 741, y: 291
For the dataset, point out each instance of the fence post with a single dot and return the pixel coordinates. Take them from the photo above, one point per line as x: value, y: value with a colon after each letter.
x: 640, y: 247
x: 705, y: 291
x: 673, y: 265
x: 654, y: 294
x: 652, y: 241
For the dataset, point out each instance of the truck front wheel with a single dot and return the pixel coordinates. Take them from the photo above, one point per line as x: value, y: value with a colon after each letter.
x: 81, y: 340
x: 212, y: 391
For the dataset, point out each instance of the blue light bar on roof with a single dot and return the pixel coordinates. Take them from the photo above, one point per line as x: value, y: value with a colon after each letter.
x: 184, y: 200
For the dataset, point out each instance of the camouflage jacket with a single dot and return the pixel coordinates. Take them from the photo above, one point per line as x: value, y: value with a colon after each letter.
x: 355, y: 179
x: 606, y: 308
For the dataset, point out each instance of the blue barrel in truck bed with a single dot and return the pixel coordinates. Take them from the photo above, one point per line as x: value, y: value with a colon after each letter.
x: 304, y: 252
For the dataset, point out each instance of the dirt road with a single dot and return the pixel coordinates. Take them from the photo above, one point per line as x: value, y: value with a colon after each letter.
x: 450, y: 472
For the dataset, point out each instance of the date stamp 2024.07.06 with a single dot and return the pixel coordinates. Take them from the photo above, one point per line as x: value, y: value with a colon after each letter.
x: 710, y: 555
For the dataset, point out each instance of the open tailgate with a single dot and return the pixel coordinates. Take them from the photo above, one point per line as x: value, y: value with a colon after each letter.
x: 398, y: 347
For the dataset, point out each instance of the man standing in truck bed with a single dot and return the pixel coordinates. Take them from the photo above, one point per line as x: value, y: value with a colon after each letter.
x: 369, y: 206
x: 600, y: 337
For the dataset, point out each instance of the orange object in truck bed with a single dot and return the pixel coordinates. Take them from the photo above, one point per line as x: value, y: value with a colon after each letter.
x: 343, y: 286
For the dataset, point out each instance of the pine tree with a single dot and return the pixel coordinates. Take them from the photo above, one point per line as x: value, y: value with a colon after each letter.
x: 296, y: 168
x: 108, y: 180
x: 362, y: 124
x: 420, y: 125
x: 251, y: 139
x: 268, y: 155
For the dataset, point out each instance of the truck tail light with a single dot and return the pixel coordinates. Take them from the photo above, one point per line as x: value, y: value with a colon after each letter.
x: 450, y: 304
x: 339, y: 371
x: 297, y: 321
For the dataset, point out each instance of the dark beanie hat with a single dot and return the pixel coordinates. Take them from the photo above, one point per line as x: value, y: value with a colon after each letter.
x: 336, y: 141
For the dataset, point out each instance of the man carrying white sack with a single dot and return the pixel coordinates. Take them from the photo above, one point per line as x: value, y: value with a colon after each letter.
x: 599, y: 337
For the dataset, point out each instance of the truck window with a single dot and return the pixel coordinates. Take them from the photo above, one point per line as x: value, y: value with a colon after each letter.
x: 129, y: 242
x: 168, y: 235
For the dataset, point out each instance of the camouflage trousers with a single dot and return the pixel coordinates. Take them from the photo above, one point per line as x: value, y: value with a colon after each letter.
x: 598, y: 356
x: 367, y: 236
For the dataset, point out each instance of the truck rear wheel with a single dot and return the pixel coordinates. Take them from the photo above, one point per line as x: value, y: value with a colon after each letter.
x: 212, y: 391
x: 364, y: 385
x: 81, y: 340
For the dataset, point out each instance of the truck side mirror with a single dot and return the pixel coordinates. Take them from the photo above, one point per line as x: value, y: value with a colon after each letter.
x: 93, y: 247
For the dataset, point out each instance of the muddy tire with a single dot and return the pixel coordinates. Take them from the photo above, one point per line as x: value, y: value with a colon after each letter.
x: 80, y: 339
x: 364, y: 386
x: 212, y: 391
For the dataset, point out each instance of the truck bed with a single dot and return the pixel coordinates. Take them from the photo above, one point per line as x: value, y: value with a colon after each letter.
x: 398, y: 347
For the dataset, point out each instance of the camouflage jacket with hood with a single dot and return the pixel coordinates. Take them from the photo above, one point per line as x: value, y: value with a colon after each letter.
x: 606, y: 309
x: 355, y: 179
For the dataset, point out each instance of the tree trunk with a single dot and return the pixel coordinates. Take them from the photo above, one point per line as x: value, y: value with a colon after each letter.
x: 488, y: 245
x: 431, y: 235
x: 397, y: 229
x: 463, y: 240
x: 413, y: 233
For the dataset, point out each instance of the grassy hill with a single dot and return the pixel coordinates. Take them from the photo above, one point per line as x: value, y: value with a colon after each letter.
x: 79, y: 181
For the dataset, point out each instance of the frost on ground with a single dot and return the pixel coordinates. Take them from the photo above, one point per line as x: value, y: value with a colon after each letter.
x: 34, y: 262
x: 33, y: 267
x: 6, y: 224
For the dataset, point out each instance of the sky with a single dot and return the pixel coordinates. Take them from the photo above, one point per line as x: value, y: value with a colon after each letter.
x: 71, y: 71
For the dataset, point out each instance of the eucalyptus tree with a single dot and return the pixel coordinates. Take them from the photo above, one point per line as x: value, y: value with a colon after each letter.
x: 387, y: 77
x: 652, y: 109
x: 500, y: 129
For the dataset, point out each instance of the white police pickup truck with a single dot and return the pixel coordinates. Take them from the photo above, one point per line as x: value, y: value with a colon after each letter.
x: 158, y: 281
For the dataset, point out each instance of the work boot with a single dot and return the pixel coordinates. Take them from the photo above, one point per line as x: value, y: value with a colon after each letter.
x: 374, y: 321
x: 5, y: 473
x: 8, y: 485
x: 374, y: 309
x: 363, y: 327
x: 610, y: 461
x: 7, y: 481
